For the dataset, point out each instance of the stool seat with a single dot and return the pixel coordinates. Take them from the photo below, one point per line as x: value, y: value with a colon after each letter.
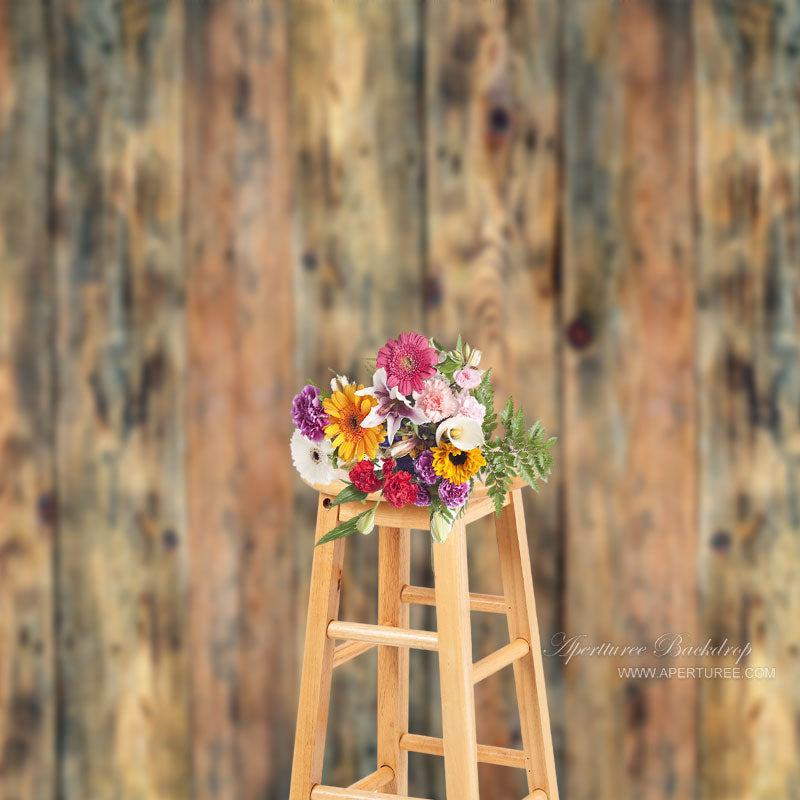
x: 452, y: 642
x: 414, y: 517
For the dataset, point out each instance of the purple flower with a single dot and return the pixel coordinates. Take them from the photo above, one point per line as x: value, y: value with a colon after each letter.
x: 453, y: 495
x: 423, y: 466
x: 308, y: 414
x: 423, y: 498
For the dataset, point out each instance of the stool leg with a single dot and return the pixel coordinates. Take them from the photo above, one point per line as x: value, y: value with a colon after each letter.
x: 393, y: 574
x: 455, y: 666
x: 315, y: 683
x: 515, y: 568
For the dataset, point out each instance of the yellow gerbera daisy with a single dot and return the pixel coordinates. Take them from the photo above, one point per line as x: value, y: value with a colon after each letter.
x: 346, y: 412
x: 457, y: 466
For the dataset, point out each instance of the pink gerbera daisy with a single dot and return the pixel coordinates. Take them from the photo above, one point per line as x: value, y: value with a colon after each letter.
x: 408, y: 360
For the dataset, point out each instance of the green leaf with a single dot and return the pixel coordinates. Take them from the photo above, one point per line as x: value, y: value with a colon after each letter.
x: 343, y: 529
x: 518, y: 424
x: 498, y: 496
x: 505, y: 414
x: 348, y: 494
x: 459, y: 344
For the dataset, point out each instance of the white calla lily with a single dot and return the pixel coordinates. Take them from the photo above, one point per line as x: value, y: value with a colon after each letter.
x: 463, y: 432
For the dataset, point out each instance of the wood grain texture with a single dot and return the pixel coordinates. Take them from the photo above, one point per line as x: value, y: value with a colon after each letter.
x: 357, y: 228
x: 602, y: 196
x: 382, y: 634
x: 629, y: 462
x: 333, y: 793
x: 455, y: 665
x: 487, y: 754
x: 239, y: 331
x: 748, y: 167
x: 28, y: 764
x: 375, y: 781
x: 317, y: 667
x: 394, y: 572
x: 502, y: 657
x: 122, y: 549
x: 523, y: 626
x: 493, y: 196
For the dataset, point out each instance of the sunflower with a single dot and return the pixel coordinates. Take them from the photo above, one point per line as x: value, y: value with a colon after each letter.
x: 346, y: 412
x: 457, y: 466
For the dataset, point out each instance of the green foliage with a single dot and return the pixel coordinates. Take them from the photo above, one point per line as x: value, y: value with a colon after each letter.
x: 438, y: 507
x: 343, y: 529
x: 454, y: 359
x: 348, y: 495
x: 519, y: 453
x: 485, y: 395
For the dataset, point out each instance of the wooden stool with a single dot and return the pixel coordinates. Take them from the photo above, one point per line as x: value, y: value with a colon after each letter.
x: 393, y: 637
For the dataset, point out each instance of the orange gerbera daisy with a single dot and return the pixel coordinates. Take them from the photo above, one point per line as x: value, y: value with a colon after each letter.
x: 346, y: 412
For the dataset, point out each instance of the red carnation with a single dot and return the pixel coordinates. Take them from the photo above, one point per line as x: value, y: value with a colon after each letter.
x: 399, y: 490
x: 364, y: 478
x: 388, y: 467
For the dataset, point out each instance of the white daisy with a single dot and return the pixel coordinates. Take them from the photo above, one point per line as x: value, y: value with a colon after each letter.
x: 312, y: 459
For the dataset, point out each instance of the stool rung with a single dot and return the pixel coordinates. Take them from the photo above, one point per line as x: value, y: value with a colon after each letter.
x: 320, y: 792
x: 348, y: 651
x: 375, y: 780
x: 487, y: 753
x: 536, y: 794
x: 420, y: 595
x: 506, y: 655
x: 383, y: 634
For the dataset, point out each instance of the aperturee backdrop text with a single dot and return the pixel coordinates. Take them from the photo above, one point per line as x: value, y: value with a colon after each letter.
x: 422, y: 434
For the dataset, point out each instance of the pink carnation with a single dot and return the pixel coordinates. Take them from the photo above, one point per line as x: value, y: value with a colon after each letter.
x: 468, y: 378
x: 468, y: 406
x: 437, y: 400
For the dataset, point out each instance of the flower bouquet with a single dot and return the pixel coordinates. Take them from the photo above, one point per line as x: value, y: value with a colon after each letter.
x: 422, y: 434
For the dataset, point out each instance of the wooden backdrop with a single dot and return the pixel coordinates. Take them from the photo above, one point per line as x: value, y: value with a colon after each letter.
x: 204, y: 203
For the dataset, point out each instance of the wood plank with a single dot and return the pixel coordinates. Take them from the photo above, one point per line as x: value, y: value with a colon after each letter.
x: 487, y: 754
x: 494, y: 604
x: 537, y: 795
x: 503, y: 657
x: 320, y: 792
x: 27, y: 497
x: 349, y: 650
x: 748, y: 174
x: 523, y: 626
x: 358, y: 260
x: 375, y: 781
x: 411, y: 516
x: 455, y: 665
x: 382, y: 634
x: 317, y: 669
x: 394, y: 572
x: 630, y: 447
x: 122, y: 546
x: 239, y: 324
x: 493, y: 198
